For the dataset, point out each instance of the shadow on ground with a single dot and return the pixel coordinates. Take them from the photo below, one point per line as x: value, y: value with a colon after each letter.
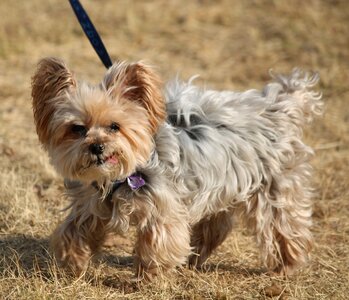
x: 24, y: 254
x: 28, y: 256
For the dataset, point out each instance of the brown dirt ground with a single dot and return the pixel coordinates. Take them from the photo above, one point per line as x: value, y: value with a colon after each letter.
x: 232, y: 45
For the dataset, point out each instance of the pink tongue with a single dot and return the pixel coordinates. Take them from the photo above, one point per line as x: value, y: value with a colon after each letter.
x: 113, y: 160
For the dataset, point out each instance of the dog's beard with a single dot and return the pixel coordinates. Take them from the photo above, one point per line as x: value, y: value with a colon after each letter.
x: 96, y: 167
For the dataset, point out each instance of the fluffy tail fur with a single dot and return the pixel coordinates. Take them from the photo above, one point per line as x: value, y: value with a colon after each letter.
x: 298, y: 84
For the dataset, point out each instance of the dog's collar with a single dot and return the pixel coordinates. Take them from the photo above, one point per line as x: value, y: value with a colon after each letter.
x: 134, y: 181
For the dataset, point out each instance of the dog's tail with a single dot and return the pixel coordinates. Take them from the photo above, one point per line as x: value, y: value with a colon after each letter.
x: 294, y: 95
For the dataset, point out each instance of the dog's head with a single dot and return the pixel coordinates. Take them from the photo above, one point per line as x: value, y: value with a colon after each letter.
x: 97, y: 132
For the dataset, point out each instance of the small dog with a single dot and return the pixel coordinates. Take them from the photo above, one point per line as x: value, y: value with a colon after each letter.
x: 179, y: 162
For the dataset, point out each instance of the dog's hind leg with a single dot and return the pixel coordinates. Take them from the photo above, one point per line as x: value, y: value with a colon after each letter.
x: 281, y: 220
x: 207, y: 235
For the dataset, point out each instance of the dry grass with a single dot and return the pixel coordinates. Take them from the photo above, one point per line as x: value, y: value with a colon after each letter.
x: 232, y: 44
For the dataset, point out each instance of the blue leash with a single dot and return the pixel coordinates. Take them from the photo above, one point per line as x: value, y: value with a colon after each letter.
x: 91, y: 32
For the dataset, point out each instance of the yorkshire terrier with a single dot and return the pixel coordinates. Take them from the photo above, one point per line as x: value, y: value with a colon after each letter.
x: 178, y: 161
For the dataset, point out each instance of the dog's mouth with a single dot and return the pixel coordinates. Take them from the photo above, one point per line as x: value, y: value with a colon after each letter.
x: 101, y: 161
x: 111, y: 159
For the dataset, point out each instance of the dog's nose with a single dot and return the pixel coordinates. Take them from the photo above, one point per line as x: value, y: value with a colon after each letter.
x: 96, y: 148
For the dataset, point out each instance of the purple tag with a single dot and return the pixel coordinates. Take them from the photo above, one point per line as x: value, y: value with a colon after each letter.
x: 135, y: 181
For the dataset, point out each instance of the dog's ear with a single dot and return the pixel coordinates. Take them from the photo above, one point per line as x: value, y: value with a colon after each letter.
x: 138, y: 82
x: 49, y: 86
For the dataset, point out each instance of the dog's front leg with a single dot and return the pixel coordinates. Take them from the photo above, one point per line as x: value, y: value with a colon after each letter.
x: 82, y: 233
x: 163, y: 241
x: 74, y: 242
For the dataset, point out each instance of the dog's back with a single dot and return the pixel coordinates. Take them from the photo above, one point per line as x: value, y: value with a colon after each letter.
x: 232, y: 143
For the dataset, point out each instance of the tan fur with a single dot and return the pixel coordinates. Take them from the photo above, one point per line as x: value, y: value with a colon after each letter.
x: 52, y: 80
x: 81, y: 235
x: 137, y: 82
x: 59, y: 102
x: 161, y: 246
x: 207, y: 235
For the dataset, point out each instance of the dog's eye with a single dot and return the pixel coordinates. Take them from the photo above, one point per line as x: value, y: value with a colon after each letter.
x: 79, y: 129
x: 114, y: 127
